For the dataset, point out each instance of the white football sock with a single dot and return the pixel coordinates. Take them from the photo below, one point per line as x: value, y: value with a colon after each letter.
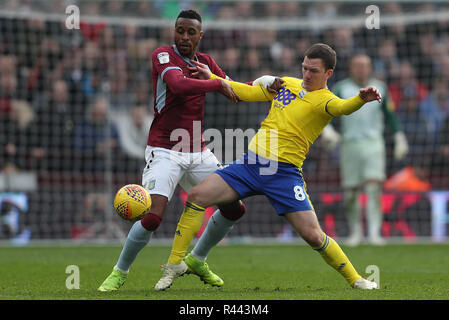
x: 217, y: 228
x: 138, y: 238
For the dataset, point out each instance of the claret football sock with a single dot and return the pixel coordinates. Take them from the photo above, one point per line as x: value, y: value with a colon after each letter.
x: 138, y: 238
x: 336, y: 258
x: 188, y: 225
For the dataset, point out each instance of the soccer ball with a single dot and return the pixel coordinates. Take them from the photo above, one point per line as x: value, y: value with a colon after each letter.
x: 132, y: 202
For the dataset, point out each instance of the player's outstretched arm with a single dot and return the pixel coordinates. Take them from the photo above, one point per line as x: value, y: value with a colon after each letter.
x: 337, y: 107
x: 250, y: 93
x: 259, y: 92
x: 180, y: 85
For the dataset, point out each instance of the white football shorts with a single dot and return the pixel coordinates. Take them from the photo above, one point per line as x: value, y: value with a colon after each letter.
x: 166, y: 168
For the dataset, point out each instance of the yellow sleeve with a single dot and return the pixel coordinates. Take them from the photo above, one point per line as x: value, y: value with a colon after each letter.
x: 247, y: 92
x: 337, y: 106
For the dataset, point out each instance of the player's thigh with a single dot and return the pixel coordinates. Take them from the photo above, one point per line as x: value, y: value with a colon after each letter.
x: 213, y: 190
x: 161, y: 173
x: 203, y: 164
x: 374, y: 164
x: 286, y: 190
x: 307, y: 226
x: 351, y: 164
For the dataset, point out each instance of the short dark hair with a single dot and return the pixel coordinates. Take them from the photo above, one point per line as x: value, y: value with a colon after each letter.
x: 324, y: 52
x: 189, y: 14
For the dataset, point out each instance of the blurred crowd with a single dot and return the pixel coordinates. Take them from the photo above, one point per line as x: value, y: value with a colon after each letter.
x: 70, y: 99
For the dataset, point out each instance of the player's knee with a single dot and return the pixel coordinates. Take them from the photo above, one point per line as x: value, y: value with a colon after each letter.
x: 196, y: 196
x: 151, y: 221
x: 233, y: 211
x: 314, y: 237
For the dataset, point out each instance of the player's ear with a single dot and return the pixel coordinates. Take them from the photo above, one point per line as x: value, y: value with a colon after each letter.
x: 201, y: 34
x: 329, y: 73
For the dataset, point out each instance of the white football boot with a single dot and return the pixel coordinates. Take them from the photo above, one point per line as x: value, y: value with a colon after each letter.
x: 171, y: 272
x: 364, y: 284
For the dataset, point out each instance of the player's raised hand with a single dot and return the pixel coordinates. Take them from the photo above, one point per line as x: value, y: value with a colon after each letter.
x: 271, y: 83
x: 276, y: 85
x: 226, y: 90
x: 200, y: 71
x: 370, y: 94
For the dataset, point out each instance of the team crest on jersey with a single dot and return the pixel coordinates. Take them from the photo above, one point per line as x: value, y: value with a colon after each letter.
x: 152, y: 184
x: 302, y: 93
x: 163, y: 57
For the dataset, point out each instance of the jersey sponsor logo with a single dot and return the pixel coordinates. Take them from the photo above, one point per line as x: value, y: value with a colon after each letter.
x: 285, y: 96
x: 163, y: 57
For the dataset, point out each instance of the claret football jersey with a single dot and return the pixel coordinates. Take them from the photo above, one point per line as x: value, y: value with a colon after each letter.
x: 183, y: 113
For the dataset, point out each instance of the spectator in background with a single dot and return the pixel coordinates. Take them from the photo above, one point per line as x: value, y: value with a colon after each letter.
x: 50, y: 55
x: 230, y: 61
x: 428, y: 58
x: 96, y: 139
x: 436, y: 108
x: 15, y: 136
x: 114, y: 8
x: 244, y: 10
x: 120, y: 95
x: 8, y: 82
x: 146, y: 9
x: 386, y: 64
x: 133, y: 129
x: 442, y: 159
x: 53, y: 129
x: 342, y: 40
x: 253, y: 64
x: 286, y: 64
x: 414, y: 125
x: 273, y: 10
x: 318, y: 12
x: 443, y: 67
x: 406, y: 80
x: 92, y: 69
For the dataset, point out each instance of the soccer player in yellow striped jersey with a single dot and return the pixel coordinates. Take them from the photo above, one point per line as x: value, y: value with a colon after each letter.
x: 299, y: 111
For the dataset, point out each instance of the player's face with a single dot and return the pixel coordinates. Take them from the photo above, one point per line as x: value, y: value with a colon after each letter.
x: 360, y: 69
x: 187, y: 35
x: 314, y: 74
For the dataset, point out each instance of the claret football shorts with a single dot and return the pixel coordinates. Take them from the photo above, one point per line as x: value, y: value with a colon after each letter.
x: 282, y: 183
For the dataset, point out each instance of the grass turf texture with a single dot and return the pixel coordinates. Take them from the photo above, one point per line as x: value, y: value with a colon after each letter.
x: 250, y: 273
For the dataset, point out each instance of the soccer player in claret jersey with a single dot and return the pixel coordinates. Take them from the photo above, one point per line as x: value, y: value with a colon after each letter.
x: 272, y: 165
x: 179, y: 104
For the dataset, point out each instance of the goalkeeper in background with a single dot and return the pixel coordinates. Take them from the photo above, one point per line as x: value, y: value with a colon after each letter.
x: 362, y: 154
x: 272, y: 166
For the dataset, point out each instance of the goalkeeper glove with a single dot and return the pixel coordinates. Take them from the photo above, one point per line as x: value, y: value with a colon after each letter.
x: 331, y: 138
x: 400, y: 145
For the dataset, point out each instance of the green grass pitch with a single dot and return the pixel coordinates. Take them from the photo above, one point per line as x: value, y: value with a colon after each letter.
x: 289, y: 272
